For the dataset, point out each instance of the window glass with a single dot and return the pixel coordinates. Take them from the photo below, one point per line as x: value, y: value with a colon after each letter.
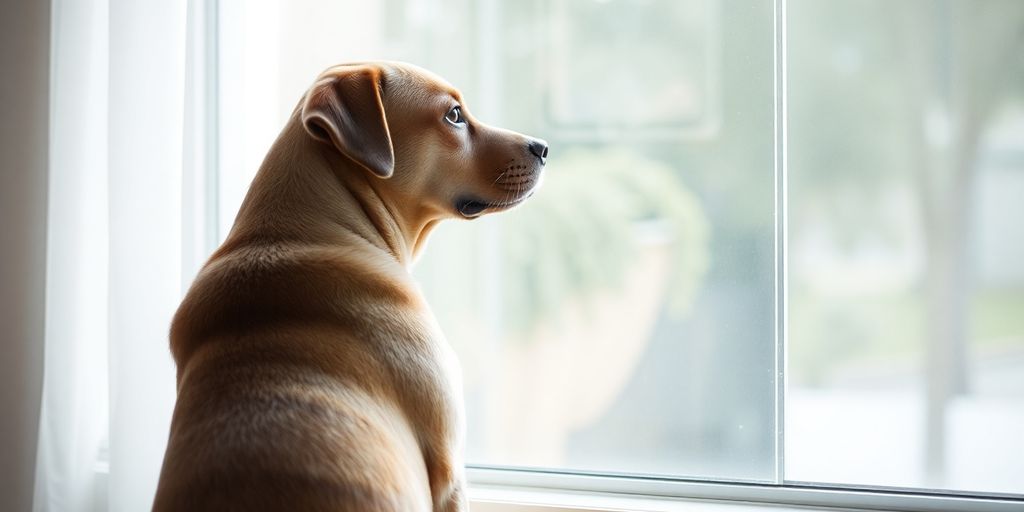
x: 906, y: 296
x: 622, y: 319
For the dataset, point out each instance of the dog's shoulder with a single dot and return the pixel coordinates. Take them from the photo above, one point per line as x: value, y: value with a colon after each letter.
x: 258, y: 284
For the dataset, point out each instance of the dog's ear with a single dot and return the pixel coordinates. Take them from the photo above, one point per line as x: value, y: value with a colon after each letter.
x: 345, y: 108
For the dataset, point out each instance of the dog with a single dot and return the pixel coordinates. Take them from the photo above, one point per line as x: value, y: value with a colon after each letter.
x: 311, y: 373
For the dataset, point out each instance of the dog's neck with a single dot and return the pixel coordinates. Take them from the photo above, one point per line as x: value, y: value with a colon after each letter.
x: 397, y: 227
x: 306, y: 191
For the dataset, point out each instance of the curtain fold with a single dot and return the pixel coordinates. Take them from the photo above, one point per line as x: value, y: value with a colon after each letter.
x: 114, y: 259
x: 146, y: 115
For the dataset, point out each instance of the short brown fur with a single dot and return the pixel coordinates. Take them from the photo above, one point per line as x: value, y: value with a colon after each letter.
x: 311, y: 373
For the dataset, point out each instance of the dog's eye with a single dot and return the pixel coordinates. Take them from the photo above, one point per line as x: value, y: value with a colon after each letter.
x: 454, y: 116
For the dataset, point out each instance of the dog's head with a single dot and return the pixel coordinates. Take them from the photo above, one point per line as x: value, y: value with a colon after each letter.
x: 415, y: 134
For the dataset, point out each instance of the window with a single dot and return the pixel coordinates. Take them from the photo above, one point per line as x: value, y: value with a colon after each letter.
x: 906, y: 297
x: 777, y: 243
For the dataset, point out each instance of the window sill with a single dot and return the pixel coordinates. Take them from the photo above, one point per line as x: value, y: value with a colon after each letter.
x: 491, y: 499
x: 510, y: 490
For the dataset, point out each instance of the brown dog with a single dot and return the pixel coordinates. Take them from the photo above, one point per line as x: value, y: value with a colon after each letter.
x: 311, y: 374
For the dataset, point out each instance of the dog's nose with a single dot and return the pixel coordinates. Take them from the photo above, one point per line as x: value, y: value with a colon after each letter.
x: 539, y: 148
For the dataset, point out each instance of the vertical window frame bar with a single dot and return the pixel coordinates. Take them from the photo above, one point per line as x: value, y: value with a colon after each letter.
x: 211, y: 123
x: 780, y: 222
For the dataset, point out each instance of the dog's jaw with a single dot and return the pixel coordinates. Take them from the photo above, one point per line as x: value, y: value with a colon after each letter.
x: 515, y: 187
x: 473, y: 208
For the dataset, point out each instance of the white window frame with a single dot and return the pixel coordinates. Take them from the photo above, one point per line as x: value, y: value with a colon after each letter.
x: 571, y: 490
x: 577, y: 489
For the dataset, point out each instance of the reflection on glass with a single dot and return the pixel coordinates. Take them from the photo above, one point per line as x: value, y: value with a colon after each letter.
x: 906, y: 314
x: 642, y: 65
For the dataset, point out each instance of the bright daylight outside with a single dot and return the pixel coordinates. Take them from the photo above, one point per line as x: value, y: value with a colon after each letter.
x: 623, y: 322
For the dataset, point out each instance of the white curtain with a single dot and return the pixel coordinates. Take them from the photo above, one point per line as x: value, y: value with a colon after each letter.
x: 115, y: 260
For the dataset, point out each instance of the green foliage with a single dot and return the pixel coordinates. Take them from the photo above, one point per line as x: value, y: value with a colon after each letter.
x: 580, y: 233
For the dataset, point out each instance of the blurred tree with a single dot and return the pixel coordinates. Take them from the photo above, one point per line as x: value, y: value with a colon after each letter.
x: 960, y: 57
x: 865, y: 117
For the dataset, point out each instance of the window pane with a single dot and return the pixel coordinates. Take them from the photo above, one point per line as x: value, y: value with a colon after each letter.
x: 622, y: 319
x: 599, y: 326
x: 906, y: 347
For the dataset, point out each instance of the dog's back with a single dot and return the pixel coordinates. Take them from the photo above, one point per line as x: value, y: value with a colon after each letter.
x: 290, y: 403
x: 273, y: 435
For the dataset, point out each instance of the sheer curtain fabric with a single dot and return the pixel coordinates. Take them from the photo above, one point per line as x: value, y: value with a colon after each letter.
x: 114, y: 258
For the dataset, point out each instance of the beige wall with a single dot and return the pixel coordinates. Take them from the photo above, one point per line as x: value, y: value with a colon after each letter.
x: 24, y: 92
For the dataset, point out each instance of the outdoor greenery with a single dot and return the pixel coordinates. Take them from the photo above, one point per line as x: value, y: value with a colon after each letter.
x: 580, y: 232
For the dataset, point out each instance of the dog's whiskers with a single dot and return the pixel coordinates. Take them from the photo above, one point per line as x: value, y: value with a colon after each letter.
x: 495, y: 182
